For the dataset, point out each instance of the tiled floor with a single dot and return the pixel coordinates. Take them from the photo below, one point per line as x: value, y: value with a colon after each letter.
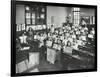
x: 46, y: 66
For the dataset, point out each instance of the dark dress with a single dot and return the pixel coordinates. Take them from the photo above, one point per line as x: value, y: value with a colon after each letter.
x: 34, y: 47
x: 42, y: 50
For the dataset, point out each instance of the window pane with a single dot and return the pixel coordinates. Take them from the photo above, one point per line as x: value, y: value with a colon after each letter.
x: 76, y: 13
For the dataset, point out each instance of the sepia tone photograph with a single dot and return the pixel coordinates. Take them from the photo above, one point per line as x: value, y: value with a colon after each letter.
x: 51, y: 37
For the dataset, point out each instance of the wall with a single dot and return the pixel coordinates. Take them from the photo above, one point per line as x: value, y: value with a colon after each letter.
x: 58, y: 13
x: 70, y: 13
x: 87, y: 12
x: 20, y: 14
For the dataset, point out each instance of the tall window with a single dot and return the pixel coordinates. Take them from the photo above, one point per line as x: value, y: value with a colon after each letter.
x: 76, y: 16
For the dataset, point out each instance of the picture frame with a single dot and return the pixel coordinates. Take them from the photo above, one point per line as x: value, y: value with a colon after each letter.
x: 14, y: 34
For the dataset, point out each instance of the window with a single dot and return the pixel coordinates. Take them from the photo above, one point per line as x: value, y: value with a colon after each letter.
x: 76, y: 16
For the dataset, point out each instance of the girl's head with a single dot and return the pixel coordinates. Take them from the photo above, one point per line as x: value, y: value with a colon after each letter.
x: 68, y: 43
x: 30, y: 29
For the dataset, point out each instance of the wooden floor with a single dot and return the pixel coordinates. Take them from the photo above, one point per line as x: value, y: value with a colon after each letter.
x: 25, y: 66
x: 66, y: 62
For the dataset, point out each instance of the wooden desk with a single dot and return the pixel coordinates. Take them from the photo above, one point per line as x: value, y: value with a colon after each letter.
x: 87, y: 48
x: 83, y: 52
x: 74, y: 56
x: 21, y: 55
x: 76, y: 62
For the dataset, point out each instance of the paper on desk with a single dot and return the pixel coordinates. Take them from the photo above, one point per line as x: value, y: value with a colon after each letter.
x: 25, y: 48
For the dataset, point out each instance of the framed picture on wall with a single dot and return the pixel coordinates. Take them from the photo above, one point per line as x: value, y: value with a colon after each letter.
x: 72, y: 45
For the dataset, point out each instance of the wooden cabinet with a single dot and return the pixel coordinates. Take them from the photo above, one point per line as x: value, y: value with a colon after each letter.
x: 35, y: 14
